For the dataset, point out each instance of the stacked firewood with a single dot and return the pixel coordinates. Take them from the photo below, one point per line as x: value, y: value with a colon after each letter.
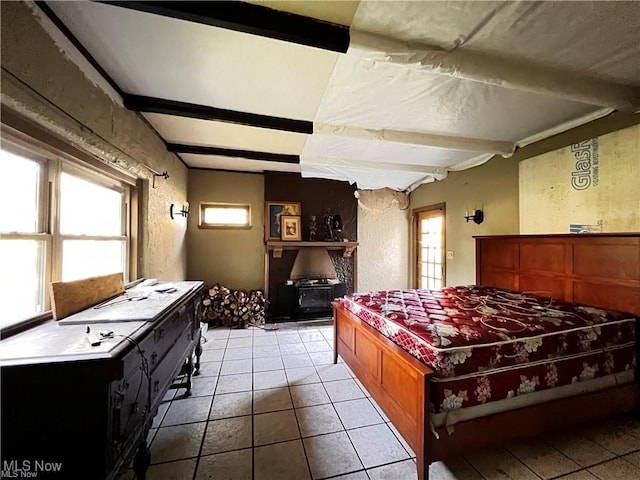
x: 235, y: 308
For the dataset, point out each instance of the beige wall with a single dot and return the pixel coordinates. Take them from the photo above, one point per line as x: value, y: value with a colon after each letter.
x: 234, y: 258
x: 45, y: 80
x: 594, y: 183
x: 492, y: 187
x: 383, y: 234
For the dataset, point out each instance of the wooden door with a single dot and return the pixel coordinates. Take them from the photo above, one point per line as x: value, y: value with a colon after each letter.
x: 429, y: 241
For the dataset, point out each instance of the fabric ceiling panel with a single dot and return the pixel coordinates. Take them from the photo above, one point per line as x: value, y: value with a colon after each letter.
x: 237, y: 164
x: 178, y: 60
x: 592, y: 37
x: 443, y: 24
x: 367, y: 179
x: 414, y: 100
x: 228, y: 135
x: 375, y: 151
x: 425, y: 87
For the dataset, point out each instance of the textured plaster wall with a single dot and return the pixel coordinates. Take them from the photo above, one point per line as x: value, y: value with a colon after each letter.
x: 492, y: 187
x: 383, y: 233
x: 45, y: 80
x: 234, y: 258
x: 595, y: 183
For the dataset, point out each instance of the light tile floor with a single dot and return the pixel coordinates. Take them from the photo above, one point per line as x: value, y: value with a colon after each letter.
x: 270, y: 405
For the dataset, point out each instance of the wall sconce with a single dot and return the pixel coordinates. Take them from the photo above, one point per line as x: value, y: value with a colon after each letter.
x: 476, y: 215
x: 174, y: 212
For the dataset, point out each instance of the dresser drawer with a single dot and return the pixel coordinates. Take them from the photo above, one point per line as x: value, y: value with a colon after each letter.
x: 165, y: 372
x: 166, y: 333
x: 160, y: 339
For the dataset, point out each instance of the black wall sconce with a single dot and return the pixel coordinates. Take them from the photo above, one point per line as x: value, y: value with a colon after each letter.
x: 476, y: 215
x: 175, y: 211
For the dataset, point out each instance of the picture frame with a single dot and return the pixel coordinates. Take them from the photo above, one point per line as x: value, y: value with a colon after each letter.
x: 272, y: 213
x: 290, y: 228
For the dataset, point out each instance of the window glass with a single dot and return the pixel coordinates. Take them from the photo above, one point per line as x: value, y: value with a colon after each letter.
x: 19, y: 188
x: 429, y: 243
x: 224, y: 215
x: 21, y: 280
x: 89, y: 258
x: 89, y: 238
x: 88, y: 209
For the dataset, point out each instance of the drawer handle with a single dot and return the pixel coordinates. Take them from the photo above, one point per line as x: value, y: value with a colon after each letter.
x: 154, y: 358
x: 156, y: 386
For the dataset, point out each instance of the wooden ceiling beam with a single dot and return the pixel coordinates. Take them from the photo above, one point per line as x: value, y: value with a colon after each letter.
x: 251, y: 19
x: 141, y: 103
x: 230, y: 152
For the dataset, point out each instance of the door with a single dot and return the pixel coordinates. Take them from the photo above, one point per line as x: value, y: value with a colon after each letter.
x: 429, y: 232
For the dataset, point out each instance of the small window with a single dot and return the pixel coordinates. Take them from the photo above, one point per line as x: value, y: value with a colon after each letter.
x: 225, y: 215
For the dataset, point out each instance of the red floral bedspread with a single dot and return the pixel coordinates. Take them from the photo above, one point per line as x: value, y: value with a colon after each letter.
x: 468, y: 333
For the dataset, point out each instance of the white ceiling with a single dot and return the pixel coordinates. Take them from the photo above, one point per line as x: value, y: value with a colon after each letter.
x: 194, y: 131
x: 425, y: 86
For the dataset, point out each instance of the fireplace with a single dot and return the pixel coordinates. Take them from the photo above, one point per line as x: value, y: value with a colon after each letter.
x: 313, y: 284
x: 313, y: 298
x: 305, y: 301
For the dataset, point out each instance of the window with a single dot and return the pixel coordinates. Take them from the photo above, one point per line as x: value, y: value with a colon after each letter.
x: 23, y: 243
x: 61, y: 220
x: 224, y: 215
x: 92, y: 232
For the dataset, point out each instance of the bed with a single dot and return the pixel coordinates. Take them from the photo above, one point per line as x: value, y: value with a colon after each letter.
x: 545, y: 340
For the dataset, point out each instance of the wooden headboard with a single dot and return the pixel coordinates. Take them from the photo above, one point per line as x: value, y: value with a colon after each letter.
x: 600, y: 270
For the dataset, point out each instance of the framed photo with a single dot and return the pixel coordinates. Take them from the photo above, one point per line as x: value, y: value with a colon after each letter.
x: 272, y: 213
x: 290, y: 228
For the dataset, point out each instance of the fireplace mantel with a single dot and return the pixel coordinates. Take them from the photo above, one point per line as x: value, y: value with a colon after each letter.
x: 277, y: 247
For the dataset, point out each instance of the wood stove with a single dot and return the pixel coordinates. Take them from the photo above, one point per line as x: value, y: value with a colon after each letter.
x: 313, y: 284
x: 308, y: 299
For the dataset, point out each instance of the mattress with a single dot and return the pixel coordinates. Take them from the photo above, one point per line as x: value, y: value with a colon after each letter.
x: 487, y: 344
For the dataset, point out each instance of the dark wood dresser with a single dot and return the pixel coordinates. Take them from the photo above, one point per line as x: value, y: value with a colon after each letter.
x: 71, y: 410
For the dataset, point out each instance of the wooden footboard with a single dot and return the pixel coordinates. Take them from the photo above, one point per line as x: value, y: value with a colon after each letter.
x: 398, y: 382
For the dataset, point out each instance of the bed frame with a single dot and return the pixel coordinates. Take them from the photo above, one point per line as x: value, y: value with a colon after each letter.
x: 601, y: 270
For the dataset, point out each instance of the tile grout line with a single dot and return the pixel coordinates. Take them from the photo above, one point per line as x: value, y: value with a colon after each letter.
x: 316, y: 369
x: 521, y: 462
x: 253, y: 423
x: 304, y: 448
x: 586, y: 469
x: 384, y: 422
x: 343, y: 426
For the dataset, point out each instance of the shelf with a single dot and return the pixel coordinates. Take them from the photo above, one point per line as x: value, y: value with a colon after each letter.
x: 277, y: 247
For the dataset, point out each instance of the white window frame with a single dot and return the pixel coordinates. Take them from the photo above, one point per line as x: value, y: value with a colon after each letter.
x: 42, y: 231
x: 91, y: 176
x: 53, y: 162
x: 224, y: 226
